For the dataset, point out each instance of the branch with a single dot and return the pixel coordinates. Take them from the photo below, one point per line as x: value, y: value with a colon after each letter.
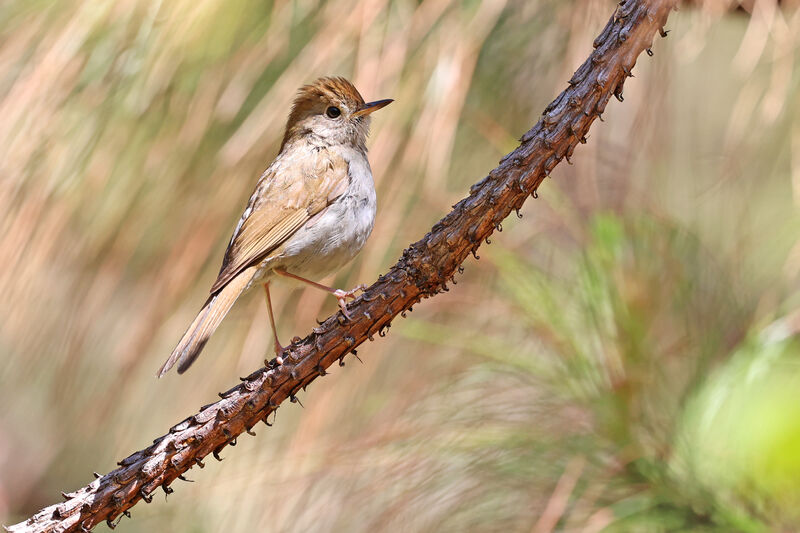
x: 423, y: 270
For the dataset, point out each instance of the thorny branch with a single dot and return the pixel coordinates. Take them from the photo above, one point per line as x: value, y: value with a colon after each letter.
x: 423, y: 270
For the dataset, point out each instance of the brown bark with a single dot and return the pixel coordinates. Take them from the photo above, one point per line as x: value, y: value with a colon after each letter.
x: 423, y: 270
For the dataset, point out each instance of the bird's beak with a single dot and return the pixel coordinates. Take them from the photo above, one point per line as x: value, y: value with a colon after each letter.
x: 369, y: 107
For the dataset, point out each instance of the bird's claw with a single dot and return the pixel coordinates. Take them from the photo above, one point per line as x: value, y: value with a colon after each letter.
x: 342, y: 296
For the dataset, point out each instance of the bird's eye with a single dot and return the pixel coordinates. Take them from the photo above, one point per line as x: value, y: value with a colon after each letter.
x: 333, y: 112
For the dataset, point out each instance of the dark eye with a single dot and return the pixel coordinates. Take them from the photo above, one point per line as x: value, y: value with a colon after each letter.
x: 333, y: 112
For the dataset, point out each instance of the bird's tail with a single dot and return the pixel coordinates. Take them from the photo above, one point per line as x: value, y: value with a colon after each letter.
x: 207, y: 321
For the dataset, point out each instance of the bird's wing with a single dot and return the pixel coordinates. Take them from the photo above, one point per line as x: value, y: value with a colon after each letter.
x: 289, y: 193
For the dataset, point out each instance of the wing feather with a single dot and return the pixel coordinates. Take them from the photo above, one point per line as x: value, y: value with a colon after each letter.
x: 286, y: 197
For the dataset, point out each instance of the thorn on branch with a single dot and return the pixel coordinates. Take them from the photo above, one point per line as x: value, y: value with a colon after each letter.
x: 132, y: 458
x: 183, y: 478
x: 147, y: 497
x: 663, y: 32
x: 274, y: 417
x: 649, y: 52
x: 227, y: 393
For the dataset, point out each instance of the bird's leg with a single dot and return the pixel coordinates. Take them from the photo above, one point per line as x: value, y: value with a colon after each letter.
x: 278, y: 347
x: 341, y: 296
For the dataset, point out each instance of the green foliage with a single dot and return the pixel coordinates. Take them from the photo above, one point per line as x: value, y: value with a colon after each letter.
x: 610, y: 343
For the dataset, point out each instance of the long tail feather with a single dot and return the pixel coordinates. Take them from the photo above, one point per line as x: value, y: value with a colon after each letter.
x: 207, y: 321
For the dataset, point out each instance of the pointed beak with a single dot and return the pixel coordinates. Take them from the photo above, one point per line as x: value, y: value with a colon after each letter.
x: 369, y: 107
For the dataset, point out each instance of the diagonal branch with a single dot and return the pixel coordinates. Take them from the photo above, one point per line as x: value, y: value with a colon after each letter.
x: 423, y: 270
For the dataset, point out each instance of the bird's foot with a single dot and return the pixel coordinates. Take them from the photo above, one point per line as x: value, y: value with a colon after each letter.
x: 278, y: 352
x: 342, y: 296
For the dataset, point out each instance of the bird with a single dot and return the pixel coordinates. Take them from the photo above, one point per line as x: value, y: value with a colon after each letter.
x: 311, y: 212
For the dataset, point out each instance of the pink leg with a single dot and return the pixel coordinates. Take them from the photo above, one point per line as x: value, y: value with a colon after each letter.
x: 341, y: 296
x: 278, y: 347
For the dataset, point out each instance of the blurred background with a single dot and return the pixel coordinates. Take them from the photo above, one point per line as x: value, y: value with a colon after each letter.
x: 623, y: 358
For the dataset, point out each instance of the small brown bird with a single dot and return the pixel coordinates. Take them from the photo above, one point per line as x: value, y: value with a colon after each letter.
x: 311, y: 212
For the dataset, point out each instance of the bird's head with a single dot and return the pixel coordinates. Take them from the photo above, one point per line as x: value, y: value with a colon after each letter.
x: 331, y: 111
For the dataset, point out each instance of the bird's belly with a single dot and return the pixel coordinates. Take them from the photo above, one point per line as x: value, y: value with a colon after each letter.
x: 330, y: 240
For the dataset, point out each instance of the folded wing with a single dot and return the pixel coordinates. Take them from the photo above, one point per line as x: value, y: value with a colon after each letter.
x: 288, y: 194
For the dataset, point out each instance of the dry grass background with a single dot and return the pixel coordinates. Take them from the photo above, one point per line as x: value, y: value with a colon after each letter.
x: 623, y: 358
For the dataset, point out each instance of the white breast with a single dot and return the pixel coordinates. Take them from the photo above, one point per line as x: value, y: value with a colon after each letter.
x: 336, y: 235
